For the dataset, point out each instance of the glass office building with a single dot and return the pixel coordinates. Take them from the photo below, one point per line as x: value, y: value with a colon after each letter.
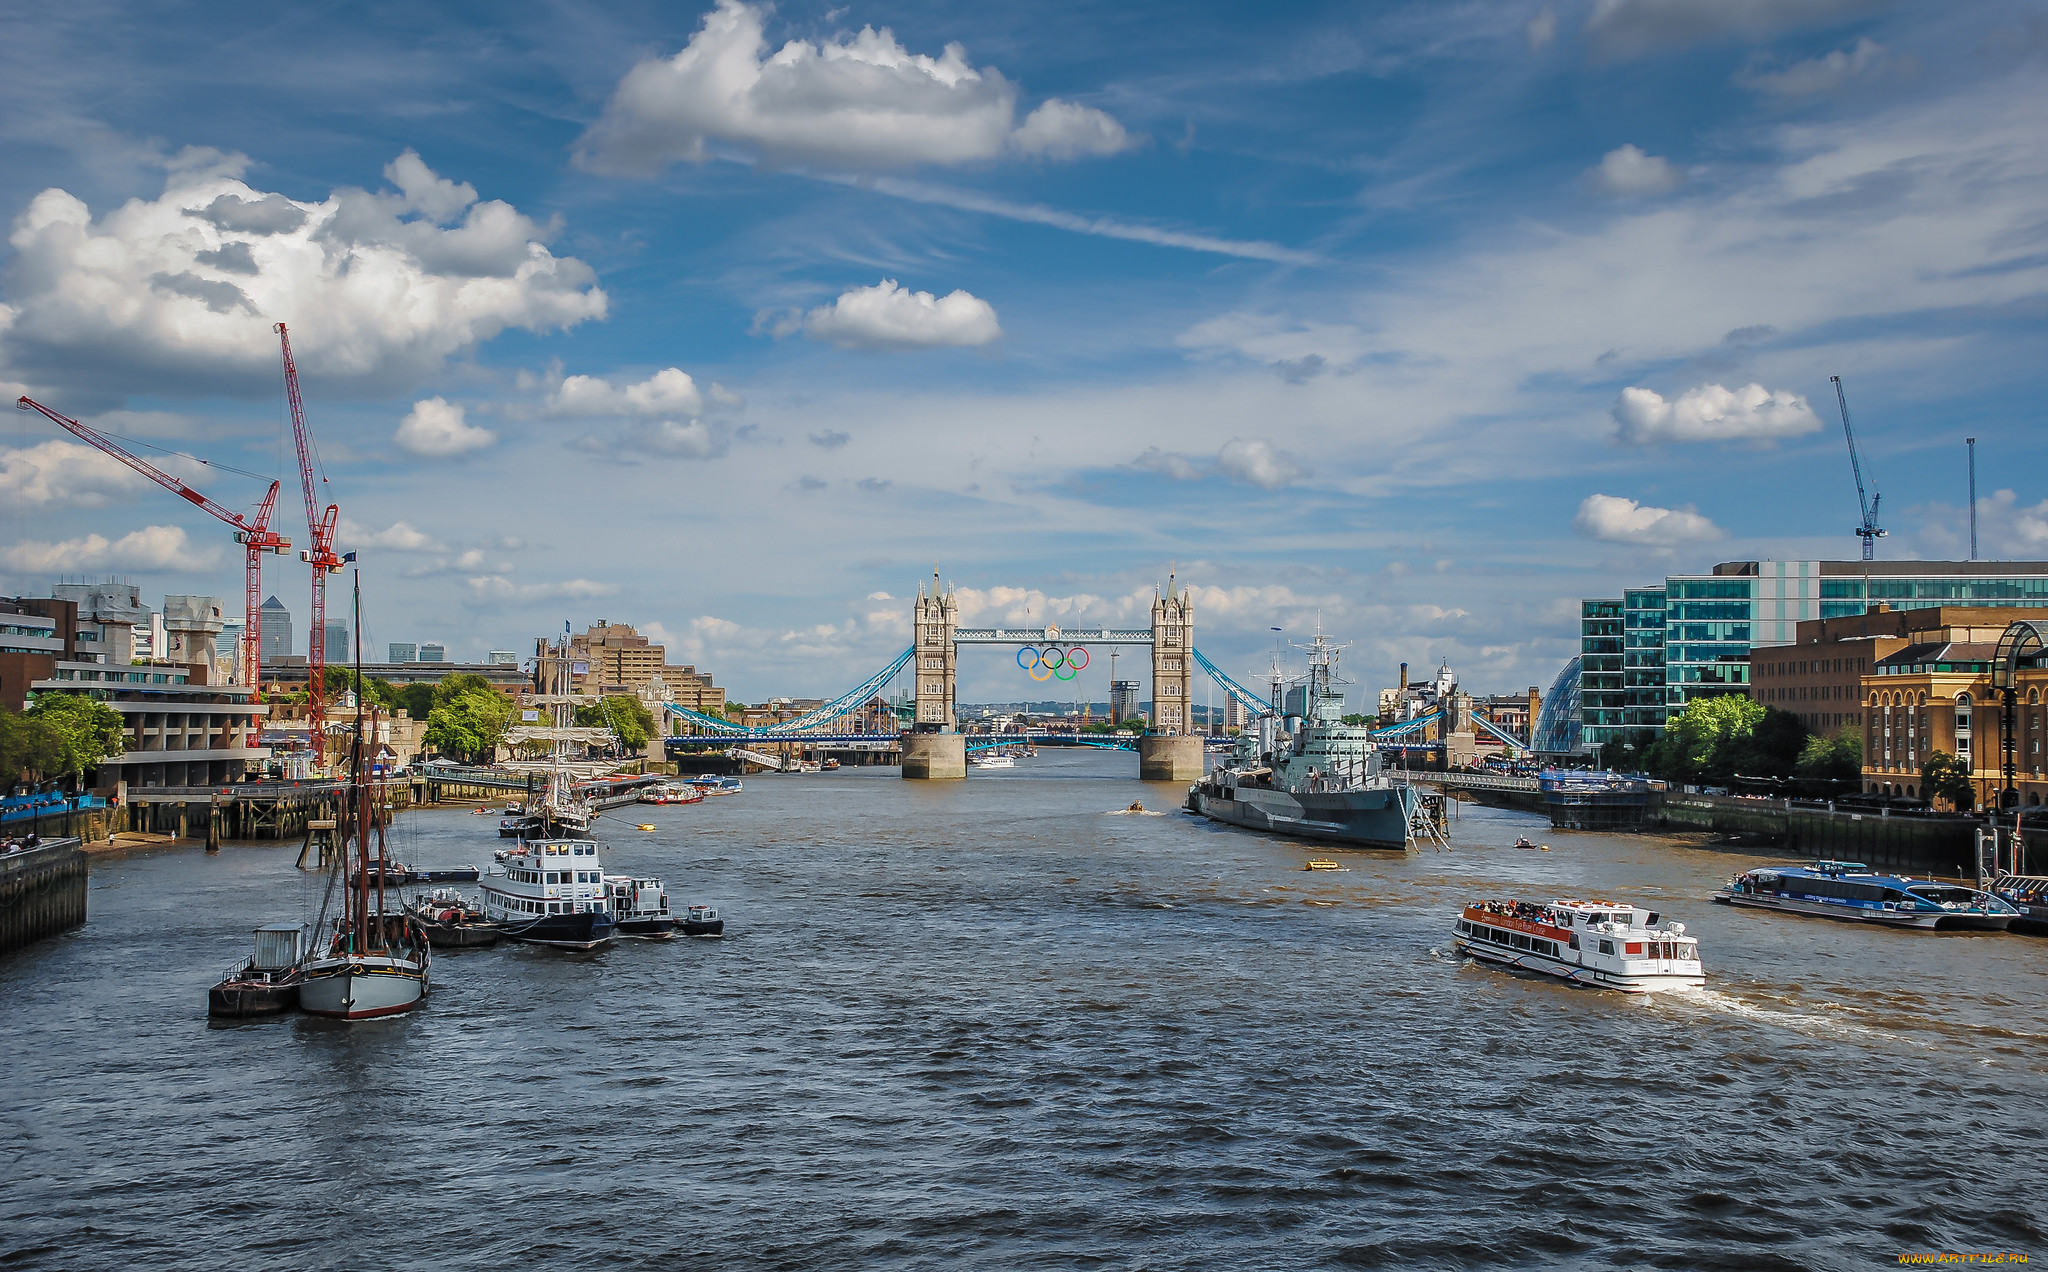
x: 1648, y: 654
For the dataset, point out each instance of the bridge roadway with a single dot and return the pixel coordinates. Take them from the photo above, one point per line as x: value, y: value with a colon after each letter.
x: 975, y: 741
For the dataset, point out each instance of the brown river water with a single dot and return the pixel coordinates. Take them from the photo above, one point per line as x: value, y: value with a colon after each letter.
x: 1000, y: 1024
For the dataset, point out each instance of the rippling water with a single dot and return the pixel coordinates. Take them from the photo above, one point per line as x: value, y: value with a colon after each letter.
x: 995, y: 1023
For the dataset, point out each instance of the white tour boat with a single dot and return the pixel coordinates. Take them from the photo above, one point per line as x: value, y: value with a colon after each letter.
x: 993, y: 760
x: 551, y: 892
x: 1594, y: 943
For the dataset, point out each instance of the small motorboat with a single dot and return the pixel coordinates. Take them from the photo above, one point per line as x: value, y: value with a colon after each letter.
x: 700, y: 920
x: 480, y: 812
x: 1136, y: 807
x: 673, y: 794
x: 1525, y: 842
x: 829, y: 765
x: 452, y: 921
x: 269, y: 982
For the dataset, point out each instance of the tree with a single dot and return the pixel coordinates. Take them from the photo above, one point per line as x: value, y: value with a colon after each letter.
x: 461, y: 683
x: 416, y: 700
x: 1629, y: 753
x: 621, y: 713
x: 470, y: 723
x: 1696, y: 742
x: 60, y: 735
x: 1831, y: 763
x: 1943, y: 776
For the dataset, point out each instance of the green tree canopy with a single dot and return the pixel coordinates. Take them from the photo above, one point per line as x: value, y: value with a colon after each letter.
x: 416, y: 700
x: 462, y: 682
x: 622, y: 713
x: 1719, y: 738
x: 1944, y: 776
x: 470, y: 722
x: 60, y: 735
x: 1832, y: 761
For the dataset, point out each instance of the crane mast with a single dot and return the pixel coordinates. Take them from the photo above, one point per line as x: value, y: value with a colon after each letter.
x: 1869, y: 531
x: 321, y: 556
x: 253, y: 533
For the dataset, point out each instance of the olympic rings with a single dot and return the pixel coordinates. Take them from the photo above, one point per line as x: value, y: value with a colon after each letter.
x: 1054, y: 662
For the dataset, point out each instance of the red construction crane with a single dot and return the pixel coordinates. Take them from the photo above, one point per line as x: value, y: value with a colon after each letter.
x: 320, y: 556
x: 253, y: 533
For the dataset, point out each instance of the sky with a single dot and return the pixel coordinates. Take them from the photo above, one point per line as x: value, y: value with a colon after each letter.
x: 1420, y: 321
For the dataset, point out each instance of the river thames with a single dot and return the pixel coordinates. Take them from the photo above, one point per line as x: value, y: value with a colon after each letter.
x: 998, y: 1023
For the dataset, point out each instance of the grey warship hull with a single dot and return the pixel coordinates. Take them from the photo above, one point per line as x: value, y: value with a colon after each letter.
x: 1375, y: 817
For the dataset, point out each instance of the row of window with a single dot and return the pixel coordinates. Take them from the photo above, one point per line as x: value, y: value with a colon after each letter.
x: 1813, y: 666
x: 552, y: 876
x: 1501, y: 936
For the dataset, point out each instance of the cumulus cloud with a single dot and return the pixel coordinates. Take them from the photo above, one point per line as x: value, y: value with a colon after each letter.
x: 434, y: 429
x: 1626, y: 172
x: 380, y: 288
x: 1624, y: 28
x: 1822, y: 74
x: 150, y: 548
x: 857, y: 102
x: 1256, y: 463
x: 670, y: 391
x: 1613, y: 519
x: 399, y: 536
x: 493, y: 588
x: 1711, y: 413
x: 64, y: 474
x: 694, y: 440
x: 889, y: 316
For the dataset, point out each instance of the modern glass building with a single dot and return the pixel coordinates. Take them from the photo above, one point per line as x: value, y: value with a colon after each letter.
x: 1691, y: 637
x: 1603, y: 693
x: 1558, y: 726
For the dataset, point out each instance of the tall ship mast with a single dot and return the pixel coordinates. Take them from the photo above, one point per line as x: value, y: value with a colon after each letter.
x: 375, y: 963
x: 1302, y: 771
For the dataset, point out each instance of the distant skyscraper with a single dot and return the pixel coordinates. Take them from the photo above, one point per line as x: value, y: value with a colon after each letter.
x: 503, y: 658
x: 277, y: 631
x: 433, y: 651
x: 338, y: 649
x: 1123, y: 700
x: 404, y: 652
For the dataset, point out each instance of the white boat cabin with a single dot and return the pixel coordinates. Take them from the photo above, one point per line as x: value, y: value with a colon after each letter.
x: 546, y: 876
x: 1588, y: 942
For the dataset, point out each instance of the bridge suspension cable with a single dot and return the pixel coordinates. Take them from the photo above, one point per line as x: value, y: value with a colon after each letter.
x: 1251, y: 701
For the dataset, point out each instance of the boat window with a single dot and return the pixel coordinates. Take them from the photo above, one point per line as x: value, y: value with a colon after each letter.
x: 1575, y: 940
x: 1607, y: 947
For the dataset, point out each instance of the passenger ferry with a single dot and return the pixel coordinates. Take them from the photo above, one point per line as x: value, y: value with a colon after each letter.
x: 1850, y: 890
x: 993, y: 760
x: 673, y: 793
x: 551, y: 892
x: 1594, y: 943
x: 712, y: 784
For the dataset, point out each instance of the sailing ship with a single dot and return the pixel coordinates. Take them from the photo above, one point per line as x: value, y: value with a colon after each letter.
x: 375, y: 963
x: 1304, y: 772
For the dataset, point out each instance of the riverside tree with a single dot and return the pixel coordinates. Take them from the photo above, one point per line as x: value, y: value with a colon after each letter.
x: 468, y: 718
x: 624, y: 714
x: 1721, y: 738
x: 1944, y: 776
x: 61, y: 735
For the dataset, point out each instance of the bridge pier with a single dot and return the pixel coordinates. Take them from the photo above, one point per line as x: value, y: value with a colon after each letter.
x: 934, y: 755
x: 1169, y: 759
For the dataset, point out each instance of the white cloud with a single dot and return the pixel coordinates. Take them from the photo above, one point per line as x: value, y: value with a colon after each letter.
x: 1626, y: 172
x: 1541, y: 30
x: 1627, y: 27
x: 491, y: 588
x: 148, y: 549
x: 856, y: 102
x: 1613, y: 519
x: 889, y: 316
x: 434, y: 429
x: 1711, y: 413
x: 670, y: 391
x: 380, y: 289
x: 2011, y: 530
x: 694, y: 440
x: 399, y: 536
x: 1064, y: 130
x: 1256, y: 463
x: 60, y: 474
x: 1822, y: 74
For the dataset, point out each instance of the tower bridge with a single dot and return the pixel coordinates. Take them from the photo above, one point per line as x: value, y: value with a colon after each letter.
x: 934, y: 747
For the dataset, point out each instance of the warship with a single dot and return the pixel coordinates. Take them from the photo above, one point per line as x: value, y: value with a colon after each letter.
x: 1302, y: 771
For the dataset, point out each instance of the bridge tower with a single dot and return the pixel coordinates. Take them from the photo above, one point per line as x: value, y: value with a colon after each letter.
x: 933, y: 748
x: 1171, y: 751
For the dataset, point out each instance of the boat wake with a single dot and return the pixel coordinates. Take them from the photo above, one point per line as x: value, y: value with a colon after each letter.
x: 1133, y: 811
x: 1721, y: 1003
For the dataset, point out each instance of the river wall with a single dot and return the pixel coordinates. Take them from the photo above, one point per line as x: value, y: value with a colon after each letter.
x: 42, y: 893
